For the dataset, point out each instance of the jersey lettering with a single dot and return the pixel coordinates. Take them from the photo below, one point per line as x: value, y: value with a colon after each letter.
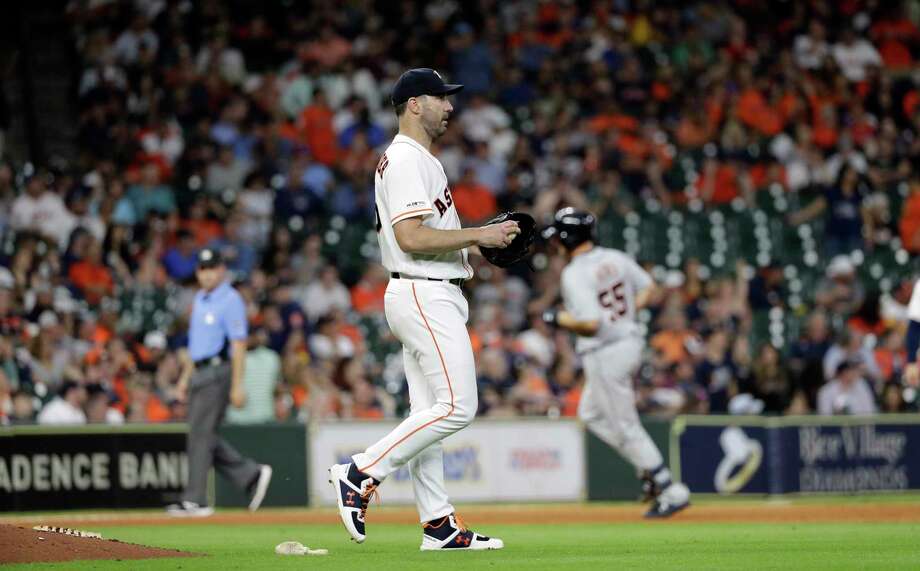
x: 382, y: 165
x: 410, y: 183
x: 614, y: 300
x: 447, y: 203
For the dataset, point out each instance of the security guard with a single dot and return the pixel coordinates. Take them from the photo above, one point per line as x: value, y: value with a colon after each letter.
x: 213, y: 377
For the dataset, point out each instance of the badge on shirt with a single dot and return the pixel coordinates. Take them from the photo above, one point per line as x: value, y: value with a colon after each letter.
x: 209, y: 318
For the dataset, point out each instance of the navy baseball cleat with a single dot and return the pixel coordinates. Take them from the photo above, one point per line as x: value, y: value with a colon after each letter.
x: 353, y: 491
x: 673, y: 499
x: 450, y: 534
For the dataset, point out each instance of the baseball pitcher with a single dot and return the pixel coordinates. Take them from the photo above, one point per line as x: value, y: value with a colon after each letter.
x: 425, y: 250
x: 602, y: 290
x: 912, y: 369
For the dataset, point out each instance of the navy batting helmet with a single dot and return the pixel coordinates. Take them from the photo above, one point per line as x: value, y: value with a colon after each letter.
x: 572, y: 227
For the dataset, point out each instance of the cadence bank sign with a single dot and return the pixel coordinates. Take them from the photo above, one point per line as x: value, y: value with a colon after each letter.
x: 67, y: 472
x: 51, y: 471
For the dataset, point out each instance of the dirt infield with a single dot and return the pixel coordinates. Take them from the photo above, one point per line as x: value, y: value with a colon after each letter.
x: 21, y: 545
x: 550, y: 514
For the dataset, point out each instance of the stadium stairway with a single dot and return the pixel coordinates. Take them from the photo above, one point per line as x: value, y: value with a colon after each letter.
x: 39, y: 88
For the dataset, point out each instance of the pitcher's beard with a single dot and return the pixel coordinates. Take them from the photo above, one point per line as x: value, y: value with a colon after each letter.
x: 437, y: 130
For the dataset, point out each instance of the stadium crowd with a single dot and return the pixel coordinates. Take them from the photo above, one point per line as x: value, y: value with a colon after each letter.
x: 255, y: 129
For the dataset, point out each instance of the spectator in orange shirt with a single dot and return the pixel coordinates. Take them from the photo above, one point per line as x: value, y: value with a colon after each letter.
x: 890, y: 354
x: 611, y: 117
x: 365, y: 404
x: 204, y: 229
x: 672, y: 341
x: 755, y: 112
x: 567, y: 384
x: 367, y: 294
x: 720, y: 183
x: 329, y: 49
x: 895, y: 36
x: 315, y: 125
x: 868, y: 318
x: 909, y: 224
x: 473, y: 200
x: 694, y: 130
x: 531, y: 393
x: 144, y: 405
x: 91, y: 276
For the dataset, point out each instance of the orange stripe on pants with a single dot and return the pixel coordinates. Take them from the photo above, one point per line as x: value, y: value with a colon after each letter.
x: 449, y: 388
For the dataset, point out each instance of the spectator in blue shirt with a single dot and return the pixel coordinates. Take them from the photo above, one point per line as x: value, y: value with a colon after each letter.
x: 181, y: 259
x: 150, y: 195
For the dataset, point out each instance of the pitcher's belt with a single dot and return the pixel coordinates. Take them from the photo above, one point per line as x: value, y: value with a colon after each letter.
x: 398, y: 276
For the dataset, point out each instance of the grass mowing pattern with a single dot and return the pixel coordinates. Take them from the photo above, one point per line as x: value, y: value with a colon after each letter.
x: 658, y: 545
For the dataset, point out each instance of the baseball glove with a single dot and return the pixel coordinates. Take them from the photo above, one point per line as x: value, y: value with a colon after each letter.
x: 518, y: 249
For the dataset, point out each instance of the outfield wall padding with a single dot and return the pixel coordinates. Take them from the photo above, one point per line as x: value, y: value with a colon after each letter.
x: 88, y: 467
x: 610, y: 477
x: 492, y: 460
x: 284, y: 448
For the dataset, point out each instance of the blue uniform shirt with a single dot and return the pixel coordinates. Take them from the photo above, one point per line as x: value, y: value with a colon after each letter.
x: 218, y: 317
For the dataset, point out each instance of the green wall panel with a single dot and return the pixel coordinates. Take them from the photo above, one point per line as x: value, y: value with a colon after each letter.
x: 284, y: 448
x: 610, y: 476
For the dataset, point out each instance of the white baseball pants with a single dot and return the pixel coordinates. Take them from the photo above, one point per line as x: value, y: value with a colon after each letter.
x: 608, y: 402
x: 429, y: 318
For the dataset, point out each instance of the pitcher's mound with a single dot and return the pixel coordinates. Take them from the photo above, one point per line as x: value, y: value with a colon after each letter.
x: 20, y: 545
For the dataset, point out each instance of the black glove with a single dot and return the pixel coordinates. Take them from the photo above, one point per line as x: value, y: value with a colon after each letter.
x: 518, y: 249
x: 551, y: 317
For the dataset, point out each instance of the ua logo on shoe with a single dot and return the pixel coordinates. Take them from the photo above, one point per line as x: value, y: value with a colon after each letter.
x: 351, y: 498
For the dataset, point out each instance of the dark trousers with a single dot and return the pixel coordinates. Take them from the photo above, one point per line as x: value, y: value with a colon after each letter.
x: 209, y: 395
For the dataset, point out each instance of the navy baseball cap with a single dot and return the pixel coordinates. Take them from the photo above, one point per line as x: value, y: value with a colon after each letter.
x: 421, y: 81
x: 209, y: 258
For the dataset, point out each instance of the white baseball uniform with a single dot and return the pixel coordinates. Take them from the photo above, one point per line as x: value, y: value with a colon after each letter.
x: 429, y: 318
x: 602, y: 284
x: 913, y: 306
x: 913, y: 318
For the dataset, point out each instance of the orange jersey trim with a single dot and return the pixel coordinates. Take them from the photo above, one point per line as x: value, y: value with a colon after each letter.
x: 410, y: 212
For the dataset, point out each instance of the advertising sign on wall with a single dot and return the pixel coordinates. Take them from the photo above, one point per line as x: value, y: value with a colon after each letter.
x: 47, y: 470
x: 729, y: 455
x: 724, y: 459
x: 488, y: 460
x: 860, y: 457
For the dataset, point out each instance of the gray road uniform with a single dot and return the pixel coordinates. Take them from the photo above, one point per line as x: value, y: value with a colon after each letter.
x: 602, y: 285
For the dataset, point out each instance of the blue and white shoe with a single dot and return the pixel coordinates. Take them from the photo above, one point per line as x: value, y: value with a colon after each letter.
x: 353, y: 491
x: 671, y: 500
x: 450, y: 534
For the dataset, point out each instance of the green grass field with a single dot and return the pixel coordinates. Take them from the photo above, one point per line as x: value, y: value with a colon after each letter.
x: 639, y: 545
